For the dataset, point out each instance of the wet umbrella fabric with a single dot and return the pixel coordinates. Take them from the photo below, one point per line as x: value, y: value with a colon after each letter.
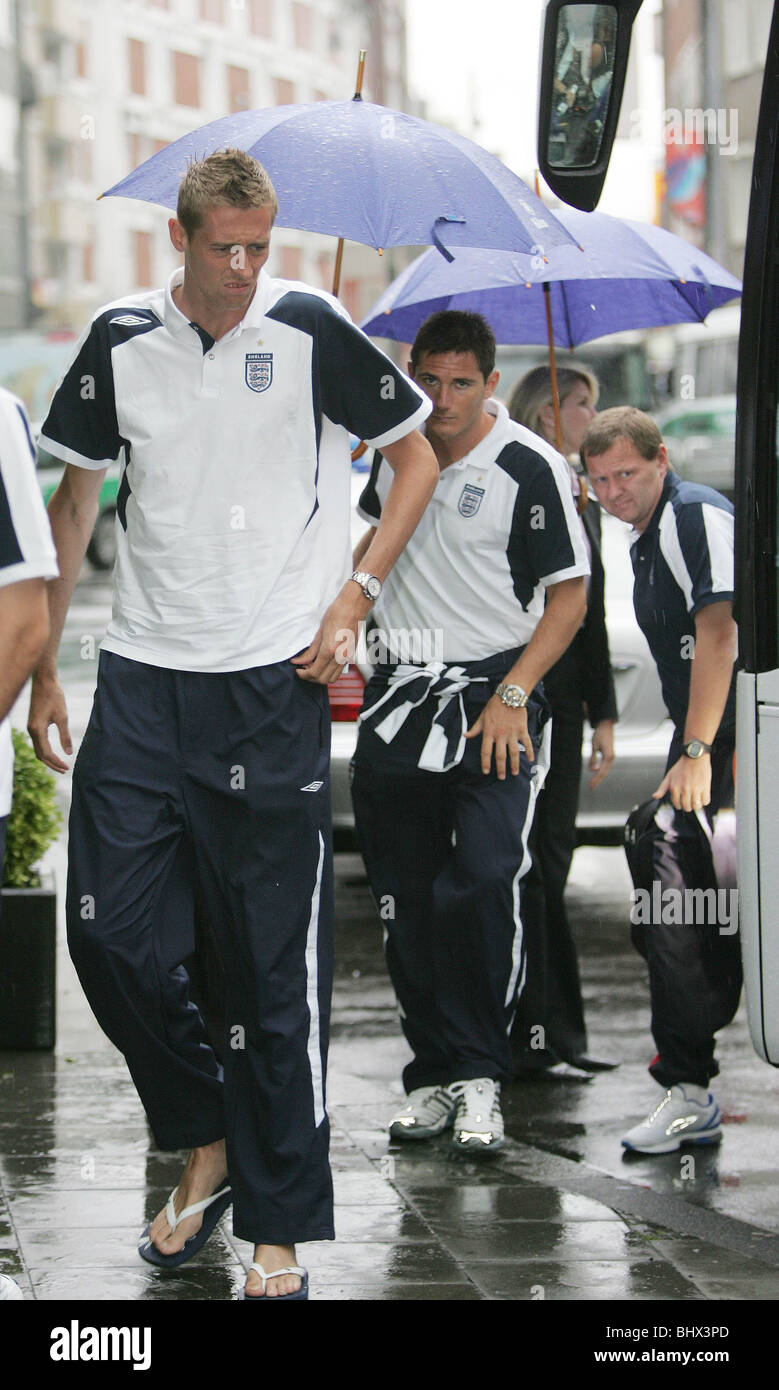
x: 364, y: 172
x: 629, y: 275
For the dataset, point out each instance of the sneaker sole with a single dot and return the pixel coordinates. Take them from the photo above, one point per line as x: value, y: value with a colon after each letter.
x: 713, y: 1137
x: 404, y: 1132
x: 474, y: 1146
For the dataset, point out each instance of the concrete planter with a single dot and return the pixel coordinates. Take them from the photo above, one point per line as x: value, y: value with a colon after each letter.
x: 28, y: 936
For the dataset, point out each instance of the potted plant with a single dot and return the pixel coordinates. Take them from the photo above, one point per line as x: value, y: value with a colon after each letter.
x: 28, y: 912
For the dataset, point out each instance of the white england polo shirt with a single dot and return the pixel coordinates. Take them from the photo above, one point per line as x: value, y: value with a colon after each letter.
x: 500, y: 528
x: 233, y: 505
x: 26, y: 547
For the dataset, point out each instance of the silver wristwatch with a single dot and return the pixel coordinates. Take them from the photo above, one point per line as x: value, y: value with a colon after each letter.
x: 370, y: 585
x: 512, y: 695
x: 695, y: 748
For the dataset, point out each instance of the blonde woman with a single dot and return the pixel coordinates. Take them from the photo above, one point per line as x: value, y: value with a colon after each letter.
x: 579, y: 684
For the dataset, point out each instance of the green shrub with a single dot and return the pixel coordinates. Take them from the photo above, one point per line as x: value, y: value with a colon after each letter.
x: 35, y: 817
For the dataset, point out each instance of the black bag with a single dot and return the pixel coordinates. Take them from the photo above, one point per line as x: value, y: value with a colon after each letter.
x: 638, y: 839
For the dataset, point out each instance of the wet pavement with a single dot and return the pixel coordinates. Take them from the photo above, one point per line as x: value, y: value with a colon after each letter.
x: 560, y: 1214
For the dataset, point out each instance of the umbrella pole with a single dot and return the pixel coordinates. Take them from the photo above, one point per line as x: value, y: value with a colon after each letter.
x: 558, y: 428
x: 340, y: 249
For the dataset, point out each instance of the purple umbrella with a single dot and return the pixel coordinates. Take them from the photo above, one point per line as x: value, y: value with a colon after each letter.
x: 352, y: 169
x: 630, y: 275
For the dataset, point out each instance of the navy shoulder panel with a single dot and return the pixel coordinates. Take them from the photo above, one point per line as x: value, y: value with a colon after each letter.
x: 682, y: 493
x: 520, y: 461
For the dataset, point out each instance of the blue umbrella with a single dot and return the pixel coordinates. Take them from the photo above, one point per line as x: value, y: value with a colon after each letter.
x: 629, y: 275
x: 352, y: 169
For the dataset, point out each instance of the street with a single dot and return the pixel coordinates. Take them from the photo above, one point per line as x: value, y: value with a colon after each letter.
x: 559, y: 1214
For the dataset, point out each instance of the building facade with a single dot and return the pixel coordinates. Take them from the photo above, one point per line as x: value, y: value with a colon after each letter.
x: 113, y: 82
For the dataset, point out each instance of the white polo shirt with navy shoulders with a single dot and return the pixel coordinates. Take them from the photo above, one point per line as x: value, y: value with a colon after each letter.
x: 233, y: 504
x: 500, y: 528
x: 26, y: 546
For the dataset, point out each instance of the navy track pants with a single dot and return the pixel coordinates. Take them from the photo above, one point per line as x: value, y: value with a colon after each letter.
x: 446, y: 853
x: 220, y: 783
x: 695, y: 970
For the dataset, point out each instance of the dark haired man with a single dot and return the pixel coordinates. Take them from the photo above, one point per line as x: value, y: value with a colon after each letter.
x: 230, y: 397
x: 452, y: 751
x: 682, y: 554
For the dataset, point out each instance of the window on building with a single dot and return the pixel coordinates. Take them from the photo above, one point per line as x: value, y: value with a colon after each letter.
x: 284, y: 91
x: 52, y: 46
x: 142, y: 258
x: 302, y: 25
x: 80, y: 54
x: 56, y: 156
x: 57, y: 260
x: 88, y: 263
x: 186, y: 79
x: 238, y: 89
x: 81, y: 160
x: 212, y: 10
x: 261, y: 18
x: 136, y: 57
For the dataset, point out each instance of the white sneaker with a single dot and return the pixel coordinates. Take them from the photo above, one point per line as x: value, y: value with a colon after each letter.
x: 9, y: 1288
x: 428, y: 1111
x: 478, y: 1121
x: 677, y: 1120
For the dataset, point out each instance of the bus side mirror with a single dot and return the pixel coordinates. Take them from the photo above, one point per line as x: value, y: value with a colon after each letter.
x: 584, y: 59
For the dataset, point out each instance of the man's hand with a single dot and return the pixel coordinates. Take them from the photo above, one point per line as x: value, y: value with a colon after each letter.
x: 503, y: 731
x: 688, y: 783
x: 602, y: 755
x: 336, y: 639
x: 47, y: 707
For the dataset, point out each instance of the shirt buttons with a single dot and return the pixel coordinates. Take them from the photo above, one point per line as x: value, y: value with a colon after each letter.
x: 210, y: 356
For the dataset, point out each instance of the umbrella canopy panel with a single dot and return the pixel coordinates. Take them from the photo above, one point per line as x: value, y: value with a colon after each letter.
x: 364, y: 172
x: 630, y: 275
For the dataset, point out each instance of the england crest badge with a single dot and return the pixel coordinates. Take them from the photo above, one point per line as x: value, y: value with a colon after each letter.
x: 259, y: 370
x: 470, y: 500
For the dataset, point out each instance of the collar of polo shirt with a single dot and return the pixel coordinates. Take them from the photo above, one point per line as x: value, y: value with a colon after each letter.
x: 178, y: 323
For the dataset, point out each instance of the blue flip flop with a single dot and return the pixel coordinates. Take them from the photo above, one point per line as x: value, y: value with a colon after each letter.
x: 213, y: 1207
x: 297, y: 1296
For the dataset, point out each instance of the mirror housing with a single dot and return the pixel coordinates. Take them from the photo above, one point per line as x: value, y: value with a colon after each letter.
x: 580, y: 94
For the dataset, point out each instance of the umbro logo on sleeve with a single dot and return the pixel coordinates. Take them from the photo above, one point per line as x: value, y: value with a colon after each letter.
x: 312, y: 787
x: 129, y: 320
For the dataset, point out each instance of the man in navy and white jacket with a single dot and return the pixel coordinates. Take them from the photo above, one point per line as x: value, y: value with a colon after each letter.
x: 682, y: 555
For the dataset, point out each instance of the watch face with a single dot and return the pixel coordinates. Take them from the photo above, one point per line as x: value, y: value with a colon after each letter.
x: 373, y: 585
x: 694, y: 748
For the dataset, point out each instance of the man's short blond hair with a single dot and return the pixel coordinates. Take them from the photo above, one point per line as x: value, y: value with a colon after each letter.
x: 228, y: 178
x: 621, y: 422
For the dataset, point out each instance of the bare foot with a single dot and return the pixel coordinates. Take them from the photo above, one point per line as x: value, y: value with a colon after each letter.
x: 273, y: 1257
x: 205, y: 1170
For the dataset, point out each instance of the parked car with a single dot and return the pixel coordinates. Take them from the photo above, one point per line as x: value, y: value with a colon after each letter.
x: 101, y: 551
x: 642, y: 735
x: 701, y: 440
